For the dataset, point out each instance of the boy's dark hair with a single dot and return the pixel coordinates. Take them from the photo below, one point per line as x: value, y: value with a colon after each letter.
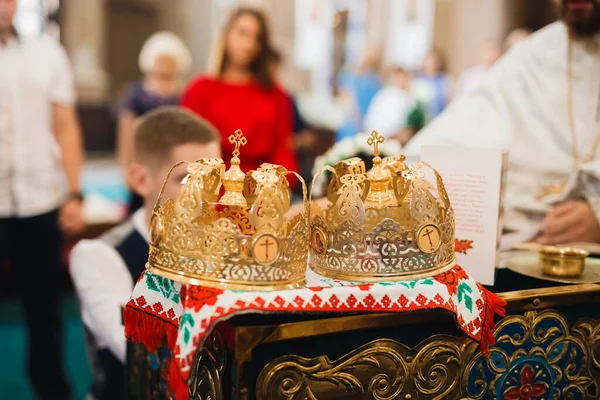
x: 167, y: 127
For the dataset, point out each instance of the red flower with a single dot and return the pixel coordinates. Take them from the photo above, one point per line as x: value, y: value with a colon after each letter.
x: 448, y: 278
x: 528, y: 389
x: 451, y: 278
x: 198, y: 296
x: 462, y: 246
x: 460, y: 273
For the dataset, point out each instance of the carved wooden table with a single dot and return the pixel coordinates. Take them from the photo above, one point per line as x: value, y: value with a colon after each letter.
x: 548, y: 347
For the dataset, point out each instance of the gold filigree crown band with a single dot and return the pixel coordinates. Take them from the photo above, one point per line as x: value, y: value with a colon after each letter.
x: 388, y: 223
x: 238, y: 240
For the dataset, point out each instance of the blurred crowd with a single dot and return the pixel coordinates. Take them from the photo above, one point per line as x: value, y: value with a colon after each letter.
x: 242, y: 90
x: 398, y: 102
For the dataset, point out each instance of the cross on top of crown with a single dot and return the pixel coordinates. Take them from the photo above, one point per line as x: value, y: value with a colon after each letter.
x: 375, y: 140
x: 238, y: 140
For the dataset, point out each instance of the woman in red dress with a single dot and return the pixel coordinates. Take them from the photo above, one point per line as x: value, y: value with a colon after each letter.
x: 240, y: 93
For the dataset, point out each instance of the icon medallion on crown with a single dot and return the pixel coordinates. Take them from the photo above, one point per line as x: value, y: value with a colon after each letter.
x: 393, y: 222
x: 239, y: 239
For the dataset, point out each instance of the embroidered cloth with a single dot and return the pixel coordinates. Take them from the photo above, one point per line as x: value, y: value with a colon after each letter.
x: 185, y: 314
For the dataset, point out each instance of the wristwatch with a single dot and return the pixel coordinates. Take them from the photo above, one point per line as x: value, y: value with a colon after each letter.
x: 75, y: 196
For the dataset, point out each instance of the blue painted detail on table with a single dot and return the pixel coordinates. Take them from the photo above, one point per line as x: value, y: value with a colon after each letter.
x: 536, y: 357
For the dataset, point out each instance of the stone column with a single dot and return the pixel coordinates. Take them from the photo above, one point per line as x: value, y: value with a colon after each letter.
x: 462, y: 25
x: 282, y: 19
x: 83, y: 32
x: 200, y: 31
x: 377, y: 22
x: 474, y: 22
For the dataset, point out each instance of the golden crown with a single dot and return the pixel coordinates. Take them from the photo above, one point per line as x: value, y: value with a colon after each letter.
x: 240, y: 240
x: 390, y: 223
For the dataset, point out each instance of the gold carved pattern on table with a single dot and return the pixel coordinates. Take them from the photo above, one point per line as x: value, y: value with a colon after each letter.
x: 207, y: 375
x: 537, y: 356
x: 144, y: 381
x: 383, y: 369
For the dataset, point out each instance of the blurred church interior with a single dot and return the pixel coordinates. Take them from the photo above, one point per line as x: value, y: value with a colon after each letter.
x: 317, y: 39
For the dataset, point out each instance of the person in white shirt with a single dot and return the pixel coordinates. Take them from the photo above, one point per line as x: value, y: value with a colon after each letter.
x: 473, y: 77
x: 40, y: 162
x: 104, y: 270
x: 389, y: 110
x: 541, y: 101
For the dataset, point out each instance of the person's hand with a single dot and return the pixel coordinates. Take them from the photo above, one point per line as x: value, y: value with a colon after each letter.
x: 70, y: 217
x: 404, y: 136
x: 305, y: 139
x: 573, y: 221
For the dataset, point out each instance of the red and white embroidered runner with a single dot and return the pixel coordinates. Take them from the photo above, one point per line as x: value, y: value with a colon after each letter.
x: 185, y: 314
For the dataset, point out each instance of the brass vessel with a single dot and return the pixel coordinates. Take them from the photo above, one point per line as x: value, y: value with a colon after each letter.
x: 563, y: 261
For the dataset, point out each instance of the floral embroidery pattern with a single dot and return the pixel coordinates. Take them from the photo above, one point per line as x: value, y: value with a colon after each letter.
x: 164, y: 286
x: 463, y: 292
x: 200, y: 308
x: 451, y: 278
x: 462, y: 246
x: 412, y: 284
x: 187, y: 322
x: 197, y: 297
x: 527, y: 389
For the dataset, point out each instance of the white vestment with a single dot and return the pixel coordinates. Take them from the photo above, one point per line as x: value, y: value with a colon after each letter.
x: 522, y: 106
x: 470, y: 79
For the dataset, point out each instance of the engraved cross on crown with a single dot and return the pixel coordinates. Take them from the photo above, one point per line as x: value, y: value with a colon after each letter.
x: 375, y: 140
x: 428, y: 233
x: 238, y: 140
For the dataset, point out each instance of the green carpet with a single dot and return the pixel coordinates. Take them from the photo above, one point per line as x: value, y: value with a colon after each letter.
x: 14, y: 383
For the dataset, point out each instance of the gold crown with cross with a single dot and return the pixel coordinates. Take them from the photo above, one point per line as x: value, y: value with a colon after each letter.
x: 393, y: 222
x: 237, y: 237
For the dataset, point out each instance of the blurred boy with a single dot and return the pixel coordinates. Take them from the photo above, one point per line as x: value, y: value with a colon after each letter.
x: 393, y: 109
x: 104, y: 270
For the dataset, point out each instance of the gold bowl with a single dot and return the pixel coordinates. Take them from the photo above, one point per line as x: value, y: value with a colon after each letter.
x: 563, y: 261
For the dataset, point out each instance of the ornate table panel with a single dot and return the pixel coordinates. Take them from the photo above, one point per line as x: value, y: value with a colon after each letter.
x: 537, y: 356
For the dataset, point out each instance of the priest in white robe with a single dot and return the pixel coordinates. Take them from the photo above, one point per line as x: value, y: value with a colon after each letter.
x: 541, y: 101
